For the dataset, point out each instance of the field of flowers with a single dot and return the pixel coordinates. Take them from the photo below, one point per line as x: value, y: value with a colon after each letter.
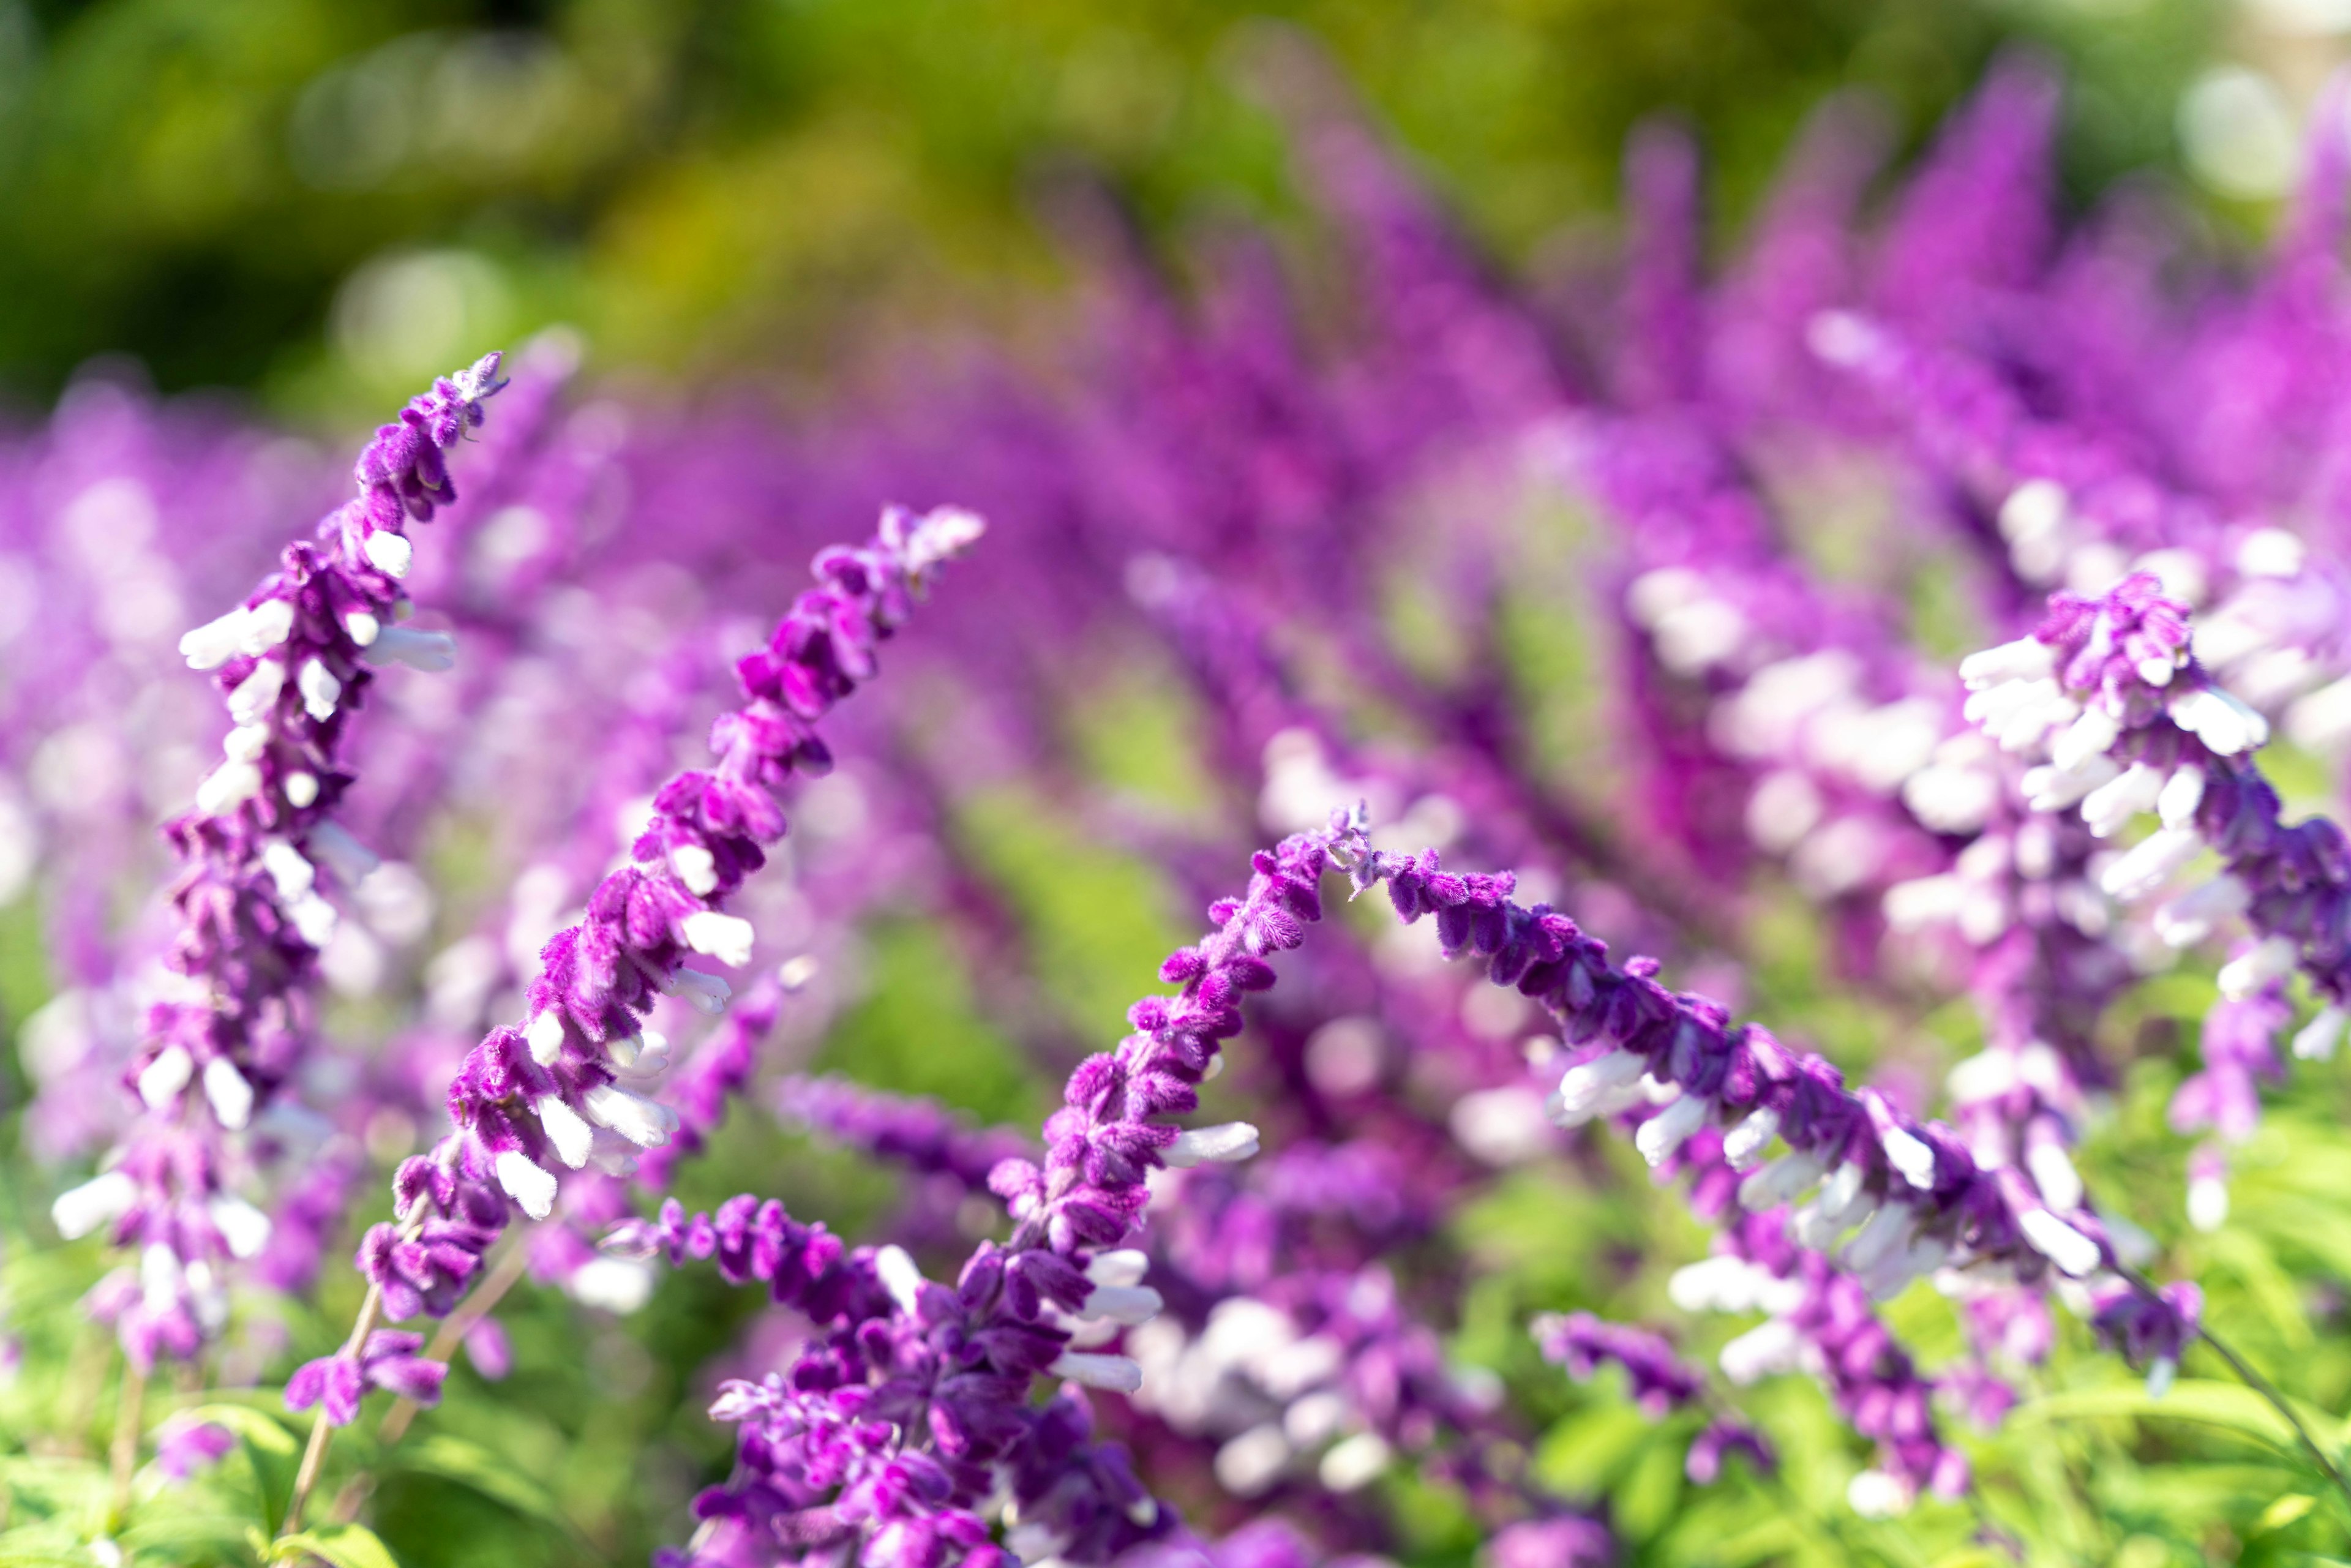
x: 1315, y: 901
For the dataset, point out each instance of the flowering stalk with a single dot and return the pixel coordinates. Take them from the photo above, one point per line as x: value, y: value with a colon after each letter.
x: 250, y: 900
x: 547, y: 1093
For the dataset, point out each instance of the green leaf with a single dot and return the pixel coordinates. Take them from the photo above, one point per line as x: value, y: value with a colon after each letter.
x: 337, y: 1545
x: 2286, y: 1510
x: 2210, y: 1401
x: 270, y: 1449
x: 470, y: 1464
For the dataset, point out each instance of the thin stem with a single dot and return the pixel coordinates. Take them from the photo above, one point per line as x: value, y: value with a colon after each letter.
x: 456, y: 1326
x: 2262, y: 1387
x: 123, y: 1453
x: 322, y: 1431
x: 2254, y: 1381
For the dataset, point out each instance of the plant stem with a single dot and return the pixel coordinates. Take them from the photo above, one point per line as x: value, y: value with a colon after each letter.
x: 2262, y: 1387
x: 2254, y: 1381
x: 322, y: 1430
x: 124, y: 1451
x: 454, y: 1329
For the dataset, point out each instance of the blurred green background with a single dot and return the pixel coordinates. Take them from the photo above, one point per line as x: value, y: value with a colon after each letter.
x: 322, y: 199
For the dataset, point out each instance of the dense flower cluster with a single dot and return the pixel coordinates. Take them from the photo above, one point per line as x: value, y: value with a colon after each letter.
x: 1650, y: 590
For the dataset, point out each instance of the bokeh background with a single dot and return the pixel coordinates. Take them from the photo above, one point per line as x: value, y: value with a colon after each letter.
x: 318, y: 201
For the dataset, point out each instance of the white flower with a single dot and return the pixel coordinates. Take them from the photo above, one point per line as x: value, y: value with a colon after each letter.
x: 1224, y: 1143
x: 2208, y: 1202
x: 2316, y: 1039
x: 1778, y: 1181
x: 1128, y: 1305
x: 2220, y: 720
x: 1666, y: 1131
x: 697, y: 867
x: 228, y: 786
x: 571, y: 1136
x: 1249, y: 1464
x: 1775, y: 1346
x: 258, y: 692
x: 2053, y: 1172
x: 160, y: 1081
x: 320, y: 690
x: 1585, y: 1088
x: 229, y: 1094
x: 267, y: 625
x: 616, y: 1285
x: 431, y: 652
x: 2106, y: 807
x: 526, y: 1183
x: 2092, y: 735
x: 214, y: 642
x: 344, y: 856
x: 98, y: 1201
x: 1126, y: 1266
x: 704, y: 993
x: 301, y: 789
x: 362, y: 627
x: 390, y: 553
x: 644, y: 1122
x: 2267, y: 960
x: 1355, y: 1462
x: 245, y: 1229
x: 1910, y: 1155
x: 725, y: 937
x: 2072, y: 1252
x: 544, y: 1035
x: 1874, y: 1494
x: 2187, y: 920
x: 2053, y: 787
x: 2150, y: 863
x: 1120, y: 1373
x: 894, y: 1267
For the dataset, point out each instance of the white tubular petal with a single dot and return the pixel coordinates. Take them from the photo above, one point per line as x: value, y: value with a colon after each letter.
x: 293, y: 875
x: 2208, y: 1203
x: 246, y: 743
x: 1743, y: 1145
x: 571, y: 1136
x: 2027, y: 659
x: 1355, y: 1463
x: 697, y: 867
x: 160, y: 1081
x: 2176, y: 803
x: 100, y: 1201
x: 2052, y: 1172
x: 244, y: 1227
x: 725, y: 937
x: 2073, y: 1252
x: 301, y: 789
x: 1583, y: 1087
x: 1888, y: 1232
x: 1952, y: 799
x: 258, y: 692
x: 226, y: 787
x: 1893, y: 1274
x: 643, y: 1121
x: 2112, y: 804
x: 1911, y: 1155
x: 2246, y: 974
x: 795, y: 973
x: 2150, y: 863
x: 314, y: 919
x: 431, y: 652
x: 320, y: 690
x: 2092, y: 735
x: 1769, y: 1347
x: 646, y: 1053
x: 544, y: 1035
x: 704, y: 993
x: 2189, y: 918
x: 349, y: 860
x: 1120, y: 1373
x: 267, y: 625
x: 362, y: 627
x: 1223, y: 1144
x: 1666, y: 1131
x: 939, y: 534
x: 528, y: 1184
x: 899, y: 1276
x: 2220, y: 720
x: 1874, y: 1494
x: 2160, y: 1372
x: 1843, y: 1191
x: 1717, y: 1284
x: 1126, y: 1266
x: 2052, y: 787
x: 390, y: 553
x: 1128, y: 1305
x: 1778, y: 1182
x: 2316, y: 1040
x: 230, y: 1096
x: 214, y: 642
